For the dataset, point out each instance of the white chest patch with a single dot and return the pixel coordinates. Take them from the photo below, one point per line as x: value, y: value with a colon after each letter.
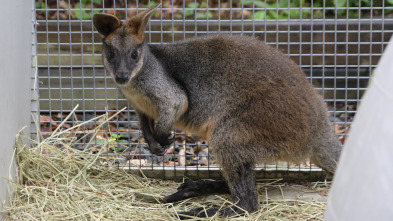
x: 141, y: 102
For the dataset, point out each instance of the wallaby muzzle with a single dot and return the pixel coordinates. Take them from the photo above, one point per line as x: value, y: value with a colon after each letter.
x: 122, y: 78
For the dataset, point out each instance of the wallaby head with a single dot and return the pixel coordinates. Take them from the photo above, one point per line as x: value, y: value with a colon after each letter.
x: 123, y: 45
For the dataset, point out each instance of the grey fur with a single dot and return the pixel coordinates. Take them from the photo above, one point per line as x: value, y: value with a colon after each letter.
x: 250, y: 101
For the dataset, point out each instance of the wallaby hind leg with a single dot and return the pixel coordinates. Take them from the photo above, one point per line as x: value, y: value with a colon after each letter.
x: 237, y: 168
x: 326, y: 151
x: 199, y: 188
x: 241, y: 183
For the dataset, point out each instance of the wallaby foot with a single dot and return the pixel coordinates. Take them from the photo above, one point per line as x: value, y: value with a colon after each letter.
x: 244, y: 197
x: 241, y: 185
x: 223, y: 211
x: 199, y: 188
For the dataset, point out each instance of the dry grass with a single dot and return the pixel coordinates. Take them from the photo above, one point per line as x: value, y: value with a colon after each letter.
x: 58, y: 182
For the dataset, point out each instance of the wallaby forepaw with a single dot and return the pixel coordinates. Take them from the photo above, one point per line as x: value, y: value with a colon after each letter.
x: 165, y: 139
x: 157, y: 150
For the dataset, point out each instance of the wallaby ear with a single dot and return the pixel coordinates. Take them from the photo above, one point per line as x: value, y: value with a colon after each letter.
x: 138, y: 22
x: 105, y: 24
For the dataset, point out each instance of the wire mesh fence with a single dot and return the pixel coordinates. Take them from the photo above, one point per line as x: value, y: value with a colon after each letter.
x: 337, y: 43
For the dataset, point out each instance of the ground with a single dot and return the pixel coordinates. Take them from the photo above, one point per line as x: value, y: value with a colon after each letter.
x: 62, y: 183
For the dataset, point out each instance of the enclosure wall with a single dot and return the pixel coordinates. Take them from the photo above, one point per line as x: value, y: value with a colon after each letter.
x: 336, y: 43
x: 15, y: 72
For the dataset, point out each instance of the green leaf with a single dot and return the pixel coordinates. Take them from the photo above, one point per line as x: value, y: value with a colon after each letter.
x: 257, y: 3
x: 116, y: 136
x: 193, y: 5
x: 390, y: 2
x: 282, y: 17
x: 271, y: 6
x: 82, y: 14
x: 247, y: 2
x: 260, y: 4
x: 283, y: 3
x: 116, y: 149
x: 97, y: 1
x: 94, y: 12
x: 353, y: 14
x: 306, y: 13
x: 340, y: 3
x: 123, y: 142
x: 296, y: 3
x: 100, y: 141
x: 341, y: 12
x: 294, y: 13
x: 318, y: 4
x: 153, y: 4
x: 40, y: 5
x: 272, y: 15
x: 79, y: 12
x: 203, y: 5
x: 259, y: 15
x: 203, y: 15
x: 188, y: 11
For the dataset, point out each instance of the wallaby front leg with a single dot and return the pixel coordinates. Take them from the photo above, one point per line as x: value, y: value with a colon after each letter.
x: 147, y: 125
x: 169, y: 113
x: 164, y: 125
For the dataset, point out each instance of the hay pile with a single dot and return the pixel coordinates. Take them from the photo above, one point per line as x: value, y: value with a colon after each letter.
x: 58, y: 182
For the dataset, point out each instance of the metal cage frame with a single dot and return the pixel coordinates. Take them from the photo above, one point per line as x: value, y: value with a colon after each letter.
x: 337, y: 52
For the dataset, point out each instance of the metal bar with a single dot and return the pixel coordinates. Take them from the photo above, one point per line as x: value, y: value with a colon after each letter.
x: 34, y: 93
x: 337, y: 53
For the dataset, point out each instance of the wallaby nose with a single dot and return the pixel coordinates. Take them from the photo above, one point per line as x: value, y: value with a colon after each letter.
x: 121, y: 78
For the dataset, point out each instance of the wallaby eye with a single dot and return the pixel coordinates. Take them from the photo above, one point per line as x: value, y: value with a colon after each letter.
x: 111, y: 55
x: 134, y: 54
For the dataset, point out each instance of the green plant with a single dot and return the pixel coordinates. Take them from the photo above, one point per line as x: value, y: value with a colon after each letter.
x: 113, y: 139
x: 192, y: 8
x: 340, y: 4
x: 82, y: 13
x: 292, y: 9
x: 272, y: 10
x: 41, y: 5
x: 153, y: 4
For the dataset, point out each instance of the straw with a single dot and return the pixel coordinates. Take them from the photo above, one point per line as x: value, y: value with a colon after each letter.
x: 57, y: 182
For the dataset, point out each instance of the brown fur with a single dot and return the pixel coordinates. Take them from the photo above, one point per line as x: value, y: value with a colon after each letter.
x: 250, y: 101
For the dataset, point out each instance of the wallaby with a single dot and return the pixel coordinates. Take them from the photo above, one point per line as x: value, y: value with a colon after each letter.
x: 251, y: 103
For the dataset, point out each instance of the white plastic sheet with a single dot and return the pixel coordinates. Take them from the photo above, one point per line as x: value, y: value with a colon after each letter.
x: 363, y: 184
